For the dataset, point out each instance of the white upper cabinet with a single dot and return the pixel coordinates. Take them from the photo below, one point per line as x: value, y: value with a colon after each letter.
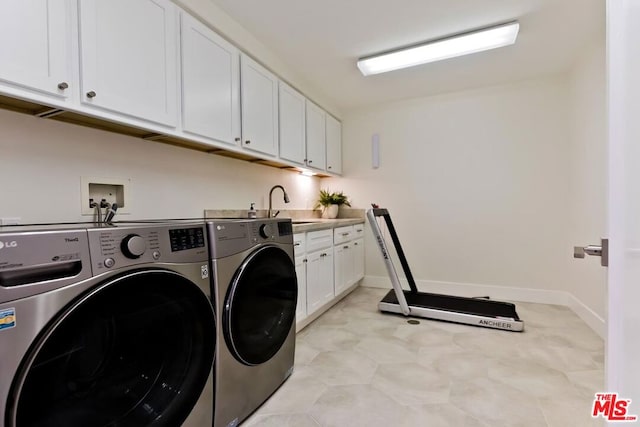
x: 259, y: 94
x: 128, y: 54
x: 316, y: 143
x: 35, y: 47
x: 334, y: 145
x: 210, y: 83
x: 291, y: 114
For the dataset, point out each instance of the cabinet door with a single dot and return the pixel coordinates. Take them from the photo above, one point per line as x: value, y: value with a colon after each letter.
x: 210, y: 83
x: 334, y: 145
x: 35, y: 48
x: 301, y: 275
x: 358, y: 260
x: 128, y: 57
x: 316, y: 144
x: 344, y: 268
x: 291, y: 114
x: 319, y: 279
x: 259, y: 94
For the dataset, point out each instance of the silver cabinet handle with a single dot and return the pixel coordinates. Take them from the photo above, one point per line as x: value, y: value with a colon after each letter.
x: 237, y: 139
x: 345, y: 234
x: 91, y: 94
x: 323, y: 254
x: 345, y: 247
x: 63, y: 85
x: 247, y: 142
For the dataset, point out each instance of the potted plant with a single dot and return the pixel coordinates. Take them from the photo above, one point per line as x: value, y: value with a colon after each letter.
x: 331, y: 202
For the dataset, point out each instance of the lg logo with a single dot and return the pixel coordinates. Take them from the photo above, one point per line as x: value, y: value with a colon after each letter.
x: 11, y: 244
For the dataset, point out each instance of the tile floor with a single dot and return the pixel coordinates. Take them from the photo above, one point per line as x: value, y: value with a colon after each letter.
x: 358, y: 367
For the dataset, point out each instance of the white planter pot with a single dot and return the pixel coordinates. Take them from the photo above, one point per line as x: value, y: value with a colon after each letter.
x: 330, y: 212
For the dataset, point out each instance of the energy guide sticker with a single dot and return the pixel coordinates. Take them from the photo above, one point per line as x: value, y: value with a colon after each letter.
x: 7, y: 318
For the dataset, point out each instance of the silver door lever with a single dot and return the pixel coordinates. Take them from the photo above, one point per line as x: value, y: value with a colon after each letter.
x: 594, y: 250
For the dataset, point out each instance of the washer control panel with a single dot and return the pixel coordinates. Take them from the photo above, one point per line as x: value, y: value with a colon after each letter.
x: 122, y: 246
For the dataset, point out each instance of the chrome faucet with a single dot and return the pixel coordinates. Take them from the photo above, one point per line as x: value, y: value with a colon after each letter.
x: 286, y: 199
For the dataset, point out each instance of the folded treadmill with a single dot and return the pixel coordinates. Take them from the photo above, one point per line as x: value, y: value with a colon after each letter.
x: 470, y: 311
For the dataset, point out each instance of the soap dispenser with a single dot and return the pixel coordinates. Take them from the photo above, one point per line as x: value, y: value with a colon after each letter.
x: 252, y: 212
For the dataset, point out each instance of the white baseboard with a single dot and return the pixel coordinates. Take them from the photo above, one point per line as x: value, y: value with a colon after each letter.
x: 540, y: 296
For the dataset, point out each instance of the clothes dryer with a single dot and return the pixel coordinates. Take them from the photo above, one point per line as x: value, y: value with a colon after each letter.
x: 254, y: 278
x: 106, y: 325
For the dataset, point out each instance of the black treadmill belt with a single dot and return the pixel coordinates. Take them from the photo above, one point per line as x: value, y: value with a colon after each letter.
x: 480, y: 307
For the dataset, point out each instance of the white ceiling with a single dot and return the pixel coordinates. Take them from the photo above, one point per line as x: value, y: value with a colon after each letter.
x: 322, y: 40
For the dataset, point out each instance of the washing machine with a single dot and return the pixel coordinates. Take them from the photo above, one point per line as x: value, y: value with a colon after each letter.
x: 106, y: 326
x: 254, y: 278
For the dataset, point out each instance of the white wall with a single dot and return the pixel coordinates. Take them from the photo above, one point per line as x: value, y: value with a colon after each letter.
x: 476, y: 183
x: 588, y: 176
x: 41, y: 162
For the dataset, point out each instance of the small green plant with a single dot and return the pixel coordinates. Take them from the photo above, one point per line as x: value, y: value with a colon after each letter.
x: 327, y: 198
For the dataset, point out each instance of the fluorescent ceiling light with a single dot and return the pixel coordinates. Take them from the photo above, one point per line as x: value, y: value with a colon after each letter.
x: 450, y: 47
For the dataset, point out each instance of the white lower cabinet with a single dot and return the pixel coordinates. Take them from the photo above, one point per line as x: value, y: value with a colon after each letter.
x: 358, y: 259
x: 344, y: 267
x: 328, y: 262
x: 319, y: 279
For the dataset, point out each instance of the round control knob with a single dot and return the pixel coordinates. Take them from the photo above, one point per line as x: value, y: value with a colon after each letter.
x: 109, y: 262
x: 133, y: 246
x: 265, y: 231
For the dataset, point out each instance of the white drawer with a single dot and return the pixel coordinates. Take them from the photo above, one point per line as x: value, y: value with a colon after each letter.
x: 343, y: 234
x: 299, y: 244
x: 319, y: 240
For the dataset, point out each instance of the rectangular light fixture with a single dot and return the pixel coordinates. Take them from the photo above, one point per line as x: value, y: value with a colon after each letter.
x: 436, y: 50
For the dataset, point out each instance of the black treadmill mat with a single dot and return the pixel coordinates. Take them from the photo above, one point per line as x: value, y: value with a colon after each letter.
x: 477, y: 306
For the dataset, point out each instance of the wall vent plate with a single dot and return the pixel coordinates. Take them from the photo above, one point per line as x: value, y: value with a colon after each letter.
x: 113, y: 190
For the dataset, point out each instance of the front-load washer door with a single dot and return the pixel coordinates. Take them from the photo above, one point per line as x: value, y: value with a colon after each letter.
x: 260, y: 305
x: 134, y: 351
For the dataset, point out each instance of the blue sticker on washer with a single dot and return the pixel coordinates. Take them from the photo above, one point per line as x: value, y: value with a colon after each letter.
x: 7, y: 318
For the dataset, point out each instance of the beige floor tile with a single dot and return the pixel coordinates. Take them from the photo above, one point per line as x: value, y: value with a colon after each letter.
x: 411, y: 384
x: 281, y: 420
x: 386, y: 350
x: 442, y: 415
x: 330, y: 338
x: 356, y: 406
x: 496, y: 404
x: 343, y: 367
x: 560, y: 411
x: 296, y: 395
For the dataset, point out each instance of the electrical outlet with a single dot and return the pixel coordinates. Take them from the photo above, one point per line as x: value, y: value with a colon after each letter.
x: 111, y: 190
x: 10, y: 221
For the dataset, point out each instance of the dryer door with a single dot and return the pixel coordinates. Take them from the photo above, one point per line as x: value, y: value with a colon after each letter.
x: 134, y: 351
x: 260, y: 306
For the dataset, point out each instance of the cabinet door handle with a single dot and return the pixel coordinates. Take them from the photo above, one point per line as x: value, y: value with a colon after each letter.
x: 297, y: 244
x: 328, y: 167
x: 247, y: 142
x: 63, y: 85
x: 358, y: 231
x: 355, y: 244
x: 91, y: 94
x: 309, y: 161
x: 237, y: 139
x: 304, y: 260
x: 345, y: 247
x: 345, y: 234
x: 323, y: 254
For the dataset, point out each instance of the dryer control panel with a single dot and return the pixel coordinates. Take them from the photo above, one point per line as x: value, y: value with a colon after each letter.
x: 123, y: 246
x: 228, y: 237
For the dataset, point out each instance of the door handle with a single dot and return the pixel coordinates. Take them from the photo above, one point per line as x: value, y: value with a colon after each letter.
x: 594, y: 250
